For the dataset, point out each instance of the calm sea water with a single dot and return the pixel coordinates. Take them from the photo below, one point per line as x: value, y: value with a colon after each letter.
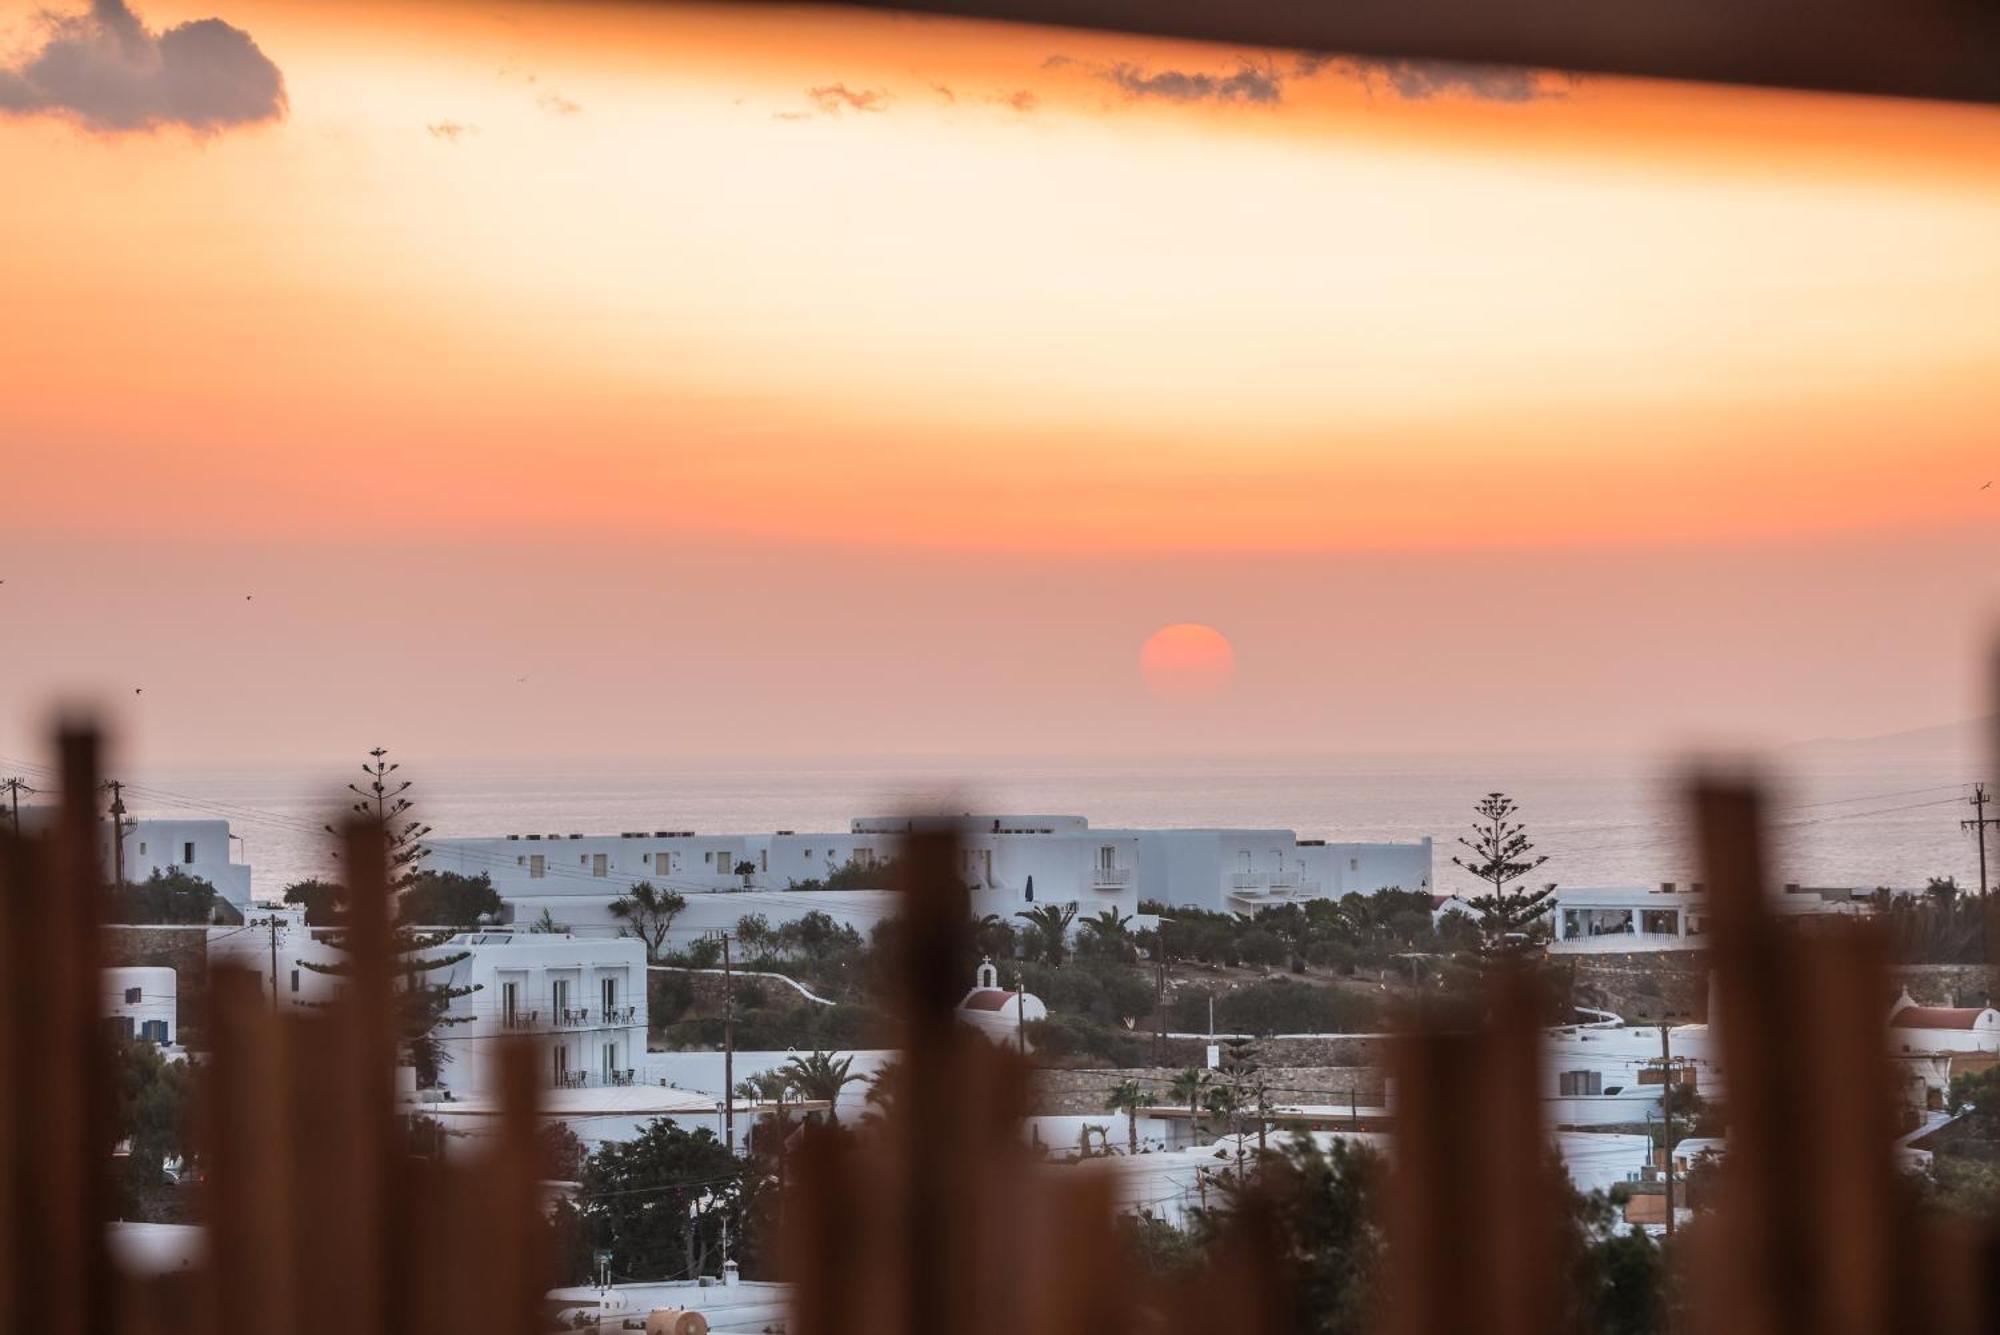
x: 1840, y: 819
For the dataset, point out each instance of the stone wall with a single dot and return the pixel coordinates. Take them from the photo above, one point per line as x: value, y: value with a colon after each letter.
x: 1641, y: 984
x: 182, y: 949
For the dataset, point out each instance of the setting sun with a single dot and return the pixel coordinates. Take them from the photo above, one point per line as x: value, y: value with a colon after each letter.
x: 1187, y: 661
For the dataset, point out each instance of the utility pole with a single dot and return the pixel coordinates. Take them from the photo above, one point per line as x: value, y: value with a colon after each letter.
x: 15, y: 786
x: 728, y: 1049
x: 273, y: 922
x: 1160, y: 994
x: 1666, y: 1063
x: 1980, y: 820
x: 119, y: 826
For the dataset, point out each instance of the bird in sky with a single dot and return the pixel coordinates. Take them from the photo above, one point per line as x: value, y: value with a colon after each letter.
x: 138, y: 690
x: 1987, y: 487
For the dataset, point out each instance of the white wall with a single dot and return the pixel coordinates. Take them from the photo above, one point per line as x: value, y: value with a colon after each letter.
x: 277, y: 934
x: 572, y: 1031
x: 144, y: 999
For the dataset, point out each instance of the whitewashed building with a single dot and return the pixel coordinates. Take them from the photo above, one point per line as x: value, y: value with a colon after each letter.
x: 1009, y: 862
x: 139, y: 1003
x: 274, y: 943
x: 199, y: 848
x: 1615, y: 919
x: 582, y: 1003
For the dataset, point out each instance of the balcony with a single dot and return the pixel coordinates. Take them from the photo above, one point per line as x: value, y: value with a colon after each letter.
x: 1271, y: 886
x: 594, y: 1079
x: 1110, y: 878
x: 569, y: 1018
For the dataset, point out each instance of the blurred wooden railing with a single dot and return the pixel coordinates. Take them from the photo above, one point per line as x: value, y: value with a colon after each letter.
x: 320, y: 1224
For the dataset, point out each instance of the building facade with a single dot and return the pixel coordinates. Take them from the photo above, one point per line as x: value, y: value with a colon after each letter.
x: 581, y: 1002
x: 1009, y: 862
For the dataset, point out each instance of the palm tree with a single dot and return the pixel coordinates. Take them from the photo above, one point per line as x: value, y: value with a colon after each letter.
x: 1108, y: 933
x: 648, y: 913
x: 1188, y: 1086
x: 884, y: 1090
x: 1050, y: 924
x: 994, y: 936
x: 820, y: 1078
x: 769, y: 1087
x: 1126, y: 1097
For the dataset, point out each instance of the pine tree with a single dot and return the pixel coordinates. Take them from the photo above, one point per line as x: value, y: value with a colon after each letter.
x: 1501, y: 854
x: 423, y: 1005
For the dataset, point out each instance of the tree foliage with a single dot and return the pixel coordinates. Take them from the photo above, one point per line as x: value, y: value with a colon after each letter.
x: 647, y: 913
x: 1500, y: 855
x: 448, y: 899
x: 658, y: 1202
x: 168, y: 896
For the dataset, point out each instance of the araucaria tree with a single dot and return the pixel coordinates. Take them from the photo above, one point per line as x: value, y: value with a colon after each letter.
x: 423, y: 1002
x: 1501, y: 854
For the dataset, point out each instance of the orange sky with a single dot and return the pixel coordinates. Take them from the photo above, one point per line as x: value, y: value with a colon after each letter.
x: 597, y: 278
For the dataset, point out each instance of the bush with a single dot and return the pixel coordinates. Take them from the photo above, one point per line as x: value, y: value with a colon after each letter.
x: 1285, y: 1006
x: 167, y: 896
x: 1063, y: 1036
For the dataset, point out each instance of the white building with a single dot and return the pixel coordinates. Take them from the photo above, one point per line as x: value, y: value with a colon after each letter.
x: 139, y: 1003
x: 1615, y: 919
x: 200, y: 848
x: 999, y: 1013
x: 1009, y: 862
x: 274, y: 942
x: 1609, y: 1075
x: 582, y: 1003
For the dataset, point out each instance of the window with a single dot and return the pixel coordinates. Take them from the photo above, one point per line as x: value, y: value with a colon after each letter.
x: 559, y: 1061
x: 1107, y: 858
x: 1354, y: 864
x: 118, y: 1026
x: 1576, y: 1084
x: 559, y: 997
x: 510, y: 1003
x: 154, y: 1031
x: 763, y: 859
x: 132, y: 995
x: 663, y: 863
x: 610, y: 994
x: 538, y: 866
x: 610, y: 1062
x: 142, y: 848
x: 1660, y: 922
x: 295, y: 980
x: 187, y: 854
x: 600, y: 864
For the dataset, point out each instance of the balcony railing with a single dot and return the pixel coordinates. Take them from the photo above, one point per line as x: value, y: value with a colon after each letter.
x: 573, y: 1017
x: 1111, y: 878
x: 598, y: 1080
x: 1272, y: 883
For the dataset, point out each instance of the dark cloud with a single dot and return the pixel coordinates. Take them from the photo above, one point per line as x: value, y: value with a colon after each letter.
x: 108, y: 72
x: 1251, y: 83
x: 450, y: 131
x: 558, y: 105
x: 834, y: 98
x: 1417, y: 80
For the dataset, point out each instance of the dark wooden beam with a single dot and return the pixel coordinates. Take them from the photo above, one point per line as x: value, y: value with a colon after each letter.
x: 1938, y: 49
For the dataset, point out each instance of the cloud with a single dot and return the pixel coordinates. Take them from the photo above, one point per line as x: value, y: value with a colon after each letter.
x: 108, y: 72
x: 945, y: 93
x: 1419, y: 80
x: 1250, y: 83
x: 450, y: 131
x: 834, y: 98
x: 1020, y: 100
x: 558, y: 105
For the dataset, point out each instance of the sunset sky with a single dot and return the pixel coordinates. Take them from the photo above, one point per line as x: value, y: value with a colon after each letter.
x: 516, y: 380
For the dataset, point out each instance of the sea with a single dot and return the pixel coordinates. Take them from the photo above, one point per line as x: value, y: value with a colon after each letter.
x: 1838, y: 815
